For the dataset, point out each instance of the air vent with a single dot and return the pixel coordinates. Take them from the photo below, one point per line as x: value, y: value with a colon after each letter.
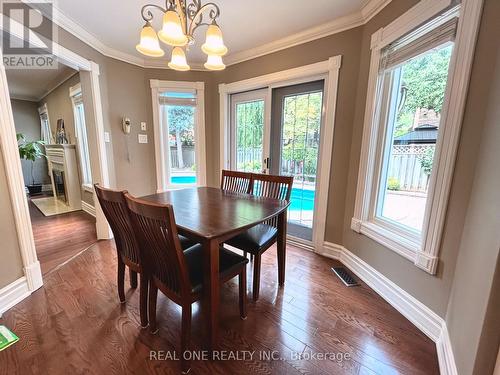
x: 345, y: 276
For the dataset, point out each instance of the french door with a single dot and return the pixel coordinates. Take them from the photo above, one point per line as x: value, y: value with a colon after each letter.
x: 280, y: 135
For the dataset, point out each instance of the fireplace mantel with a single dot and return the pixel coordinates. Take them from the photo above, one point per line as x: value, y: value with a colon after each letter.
x: 63, y: 171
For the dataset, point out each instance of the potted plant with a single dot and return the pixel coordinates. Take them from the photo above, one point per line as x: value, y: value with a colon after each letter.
x: 31, y: 151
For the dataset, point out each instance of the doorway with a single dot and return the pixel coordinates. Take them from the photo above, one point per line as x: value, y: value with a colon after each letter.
x: 288, y: 144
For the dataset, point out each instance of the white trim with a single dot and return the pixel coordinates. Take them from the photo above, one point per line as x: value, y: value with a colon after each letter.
x: 327, y: 70
x: 415, y: 311
x: 446, y: 359
x: 88, y: 208
x: 13, y: 293
x: 422, y: 252
x: 75, y: 90
x: 162, y: 155
x: 355, y: 19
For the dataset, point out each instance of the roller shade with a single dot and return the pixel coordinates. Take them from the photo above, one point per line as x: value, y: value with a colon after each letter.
x: 417, y: 43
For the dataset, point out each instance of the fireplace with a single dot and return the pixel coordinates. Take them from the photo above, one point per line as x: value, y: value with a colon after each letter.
x: 59, y: 184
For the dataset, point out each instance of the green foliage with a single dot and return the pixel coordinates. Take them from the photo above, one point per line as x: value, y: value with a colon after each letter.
x: 424, y: 80
x: 426, y: 160
x: 181, y: 121
x: 393, y: 184
x: 30, y: 151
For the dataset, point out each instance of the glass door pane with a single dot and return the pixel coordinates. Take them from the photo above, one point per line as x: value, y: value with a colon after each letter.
x: 247, y: 131
x: 296, y: 124
x: 181, y: 143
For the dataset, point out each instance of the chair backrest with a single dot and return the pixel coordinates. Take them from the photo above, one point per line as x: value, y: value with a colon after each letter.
x: 240, y: 182
x: 160, y: 246
x: 270, y: 186
x: 115, y: 209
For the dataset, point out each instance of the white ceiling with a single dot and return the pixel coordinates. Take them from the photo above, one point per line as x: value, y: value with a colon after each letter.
x: 33, y: 85
x: 114, y: 25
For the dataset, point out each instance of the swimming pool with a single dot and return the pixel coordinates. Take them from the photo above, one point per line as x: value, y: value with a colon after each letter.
x: 301, y: 199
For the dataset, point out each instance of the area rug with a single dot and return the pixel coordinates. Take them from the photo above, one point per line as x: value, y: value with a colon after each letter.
x: 50, y: 206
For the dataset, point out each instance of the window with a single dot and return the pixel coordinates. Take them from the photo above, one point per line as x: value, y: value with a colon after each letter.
x: 179, y: 133
x: 45, y: 131
x: 247, y: 132
x: 81, y: 136
x: 414, y: 101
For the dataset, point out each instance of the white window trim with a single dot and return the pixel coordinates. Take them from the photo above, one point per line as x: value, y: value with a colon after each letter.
x: 424, y: 254
x: 161, y: 154
x: 327, y: 70
x: 73, y: 92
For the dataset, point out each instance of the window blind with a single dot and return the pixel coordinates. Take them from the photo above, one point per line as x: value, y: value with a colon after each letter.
x: 417, y: 43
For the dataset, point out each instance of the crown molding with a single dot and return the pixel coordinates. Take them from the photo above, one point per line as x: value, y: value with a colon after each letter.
x: 358, y: 18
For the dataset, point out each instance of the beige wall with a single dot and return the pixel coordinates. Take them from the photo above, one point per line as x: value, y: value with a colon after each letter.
x: 11, y: 265
x: 474, y: 298
x: 27, y: 122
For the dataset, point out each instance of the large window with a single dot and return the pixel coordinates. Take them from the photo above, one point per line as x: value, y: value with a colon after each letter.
x: 179, y: 133
x: 81, y: 136
x: 409, y: 135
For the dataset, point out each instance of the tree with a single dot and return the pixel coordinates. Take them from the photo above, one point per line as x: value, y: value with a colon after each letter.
x: 424, y: 83
x: 180, y: 120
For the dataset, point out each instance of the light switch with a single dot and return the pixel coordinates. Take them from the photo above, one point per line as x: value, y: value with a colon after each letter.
x: 143, y: 138
x: 106, y: 137
x: 143, y: 126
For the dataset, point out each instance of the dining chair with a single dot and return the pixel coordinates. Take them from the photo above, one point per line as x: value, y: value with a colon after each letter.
x: 176, y: 273
x: 114, y: 207
x: 239, y: 182
x: 261, y: 237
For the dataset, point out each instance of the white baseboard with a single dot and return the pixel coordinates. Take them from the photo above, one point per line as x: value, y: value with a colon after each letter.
x: 415, y: 311
x: 13, y: 293
x: 34, y: 276
x: 88, y: 208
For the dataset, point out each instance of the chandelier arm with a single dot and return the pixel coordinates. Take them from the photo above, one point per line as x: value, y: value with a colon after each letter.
x: 182, y: 10
x: 196, y: 19
x: 146, y: 13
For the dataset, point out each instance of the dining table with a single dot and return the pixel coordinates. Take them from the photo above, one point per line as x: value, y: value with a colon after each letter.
x: 212, y: 216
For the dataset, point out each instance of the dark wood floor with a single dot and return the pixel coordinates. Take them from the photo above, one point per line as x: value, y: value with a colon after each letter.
x: 75, y: 324
x: 60, y: 237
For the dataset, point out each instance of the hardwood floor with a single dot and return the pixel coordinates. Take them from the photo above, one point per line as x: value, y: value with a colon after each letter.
x: 60, y: 237
x: 75, y: 324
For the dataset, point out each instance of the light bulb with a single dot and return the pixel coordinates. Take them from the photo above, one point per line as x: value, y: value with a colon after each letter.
x: 214, y: 44
x: 178, y: 60
x: 214, y: 62
x: 149, y: 44
x: 171, y: 32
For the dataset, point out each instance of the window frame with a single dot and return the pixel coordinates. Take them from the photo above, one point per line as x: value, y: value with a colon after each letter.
x: 424, y: 253
x: 81, y: 136
x: 162, y: 152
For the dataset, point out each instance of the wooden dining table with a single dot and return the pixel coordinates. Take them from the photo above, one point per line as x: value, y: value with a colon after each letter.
x: 211, y: 216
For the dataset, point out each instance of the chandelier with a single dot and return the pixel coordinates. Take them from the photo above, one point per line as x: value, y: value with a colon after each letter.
x: 180, y: 21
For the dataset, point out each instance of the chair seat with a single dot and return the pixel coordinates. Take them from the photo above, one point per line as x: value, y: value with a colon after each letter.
x: 255, y: 239
x: 229, y: 263
x: 186, y: 242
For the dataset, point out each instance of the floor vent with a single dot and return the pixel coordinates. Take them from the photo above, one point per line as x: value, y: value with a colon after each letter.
x: 345, y: 276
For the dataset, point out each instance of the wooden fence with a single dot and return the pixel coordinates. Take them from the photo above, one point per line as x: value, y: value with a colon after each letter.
x: 405, y: 166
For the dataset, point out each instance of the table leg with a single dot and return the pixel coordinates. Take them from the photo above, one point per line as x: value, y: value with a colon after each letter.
x: 281, y: 244
x: 211, y: 290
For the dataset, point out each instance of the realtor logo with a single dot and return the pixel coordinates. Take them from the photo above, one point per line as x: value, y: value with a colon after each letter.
x: 28, y: 35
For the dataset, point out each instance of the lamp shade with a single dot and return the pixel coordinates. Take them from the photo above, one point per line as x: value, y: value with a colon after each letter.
x: 214, y: 62
x: 178, y: 61
x: 171, y: 32
x: 149, y: 44
x: 214, y: 44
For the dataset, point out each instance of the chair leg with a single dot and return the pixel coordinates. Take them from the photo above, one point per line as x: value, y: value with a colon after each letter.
x: 153, y: 295
x: 185, y: 337
x: 133, y: 278
x: 244, y: 254
x: 242, y: 281
x: 256, y: 277
x: 121, y: 280
x: 143, y: 300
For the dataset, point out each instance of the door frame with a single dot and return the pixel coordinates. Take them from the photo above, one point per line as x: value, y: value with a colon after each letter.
x: 327, y: 70
x: 10, y: 155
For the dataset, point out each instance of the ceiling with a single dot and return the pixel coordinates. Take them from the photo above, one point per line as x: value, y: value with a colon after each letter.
x: 25, y: 85
x: 248, y: 26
